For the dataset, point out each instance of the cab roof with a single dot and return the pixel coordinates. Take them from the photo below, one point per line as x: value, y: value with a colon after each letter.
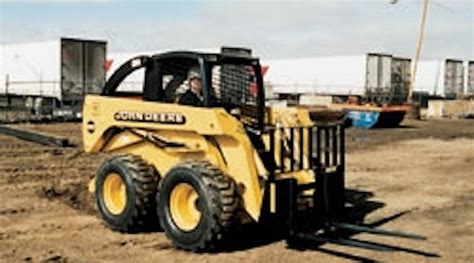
x: 208, y: 57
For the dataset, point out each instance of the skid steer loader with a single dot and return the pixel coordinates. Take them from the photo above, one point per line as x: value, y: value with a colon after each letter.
x: 198, y: 171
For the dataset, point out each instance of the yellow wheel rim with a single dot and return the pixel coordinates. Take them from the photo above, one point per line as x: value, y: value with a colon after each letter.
x: 114, y: 193
x: 183, y: 208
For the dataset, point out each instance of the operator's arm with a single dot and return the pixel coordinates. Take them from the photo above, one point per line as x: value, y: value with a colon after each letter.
x: 189, y: 98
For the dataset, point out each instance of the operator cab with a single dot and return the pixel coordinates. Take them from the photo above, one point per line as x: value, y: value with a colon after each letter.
x: 230, y: 81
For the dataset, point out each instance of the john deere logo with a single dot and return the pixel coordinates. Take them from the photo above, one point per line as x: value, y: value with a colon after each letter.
x: 158, y: 117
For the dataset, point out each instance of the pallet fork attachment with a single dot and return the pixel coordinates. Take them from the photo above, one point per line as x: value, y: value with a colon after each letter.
x: 328, y: 212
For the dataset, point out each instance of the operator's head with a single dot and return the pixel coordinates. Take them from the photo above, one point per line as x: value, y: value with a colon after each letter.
x: 194, y: 79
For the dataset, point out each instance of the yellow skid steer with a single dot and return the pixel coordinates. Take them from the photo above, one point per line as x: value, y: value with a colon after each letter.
x: 197, y: 152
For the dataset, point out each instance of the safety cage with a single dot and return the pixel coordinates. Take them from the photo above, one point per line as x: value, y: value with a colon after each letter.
x: 229, y: 81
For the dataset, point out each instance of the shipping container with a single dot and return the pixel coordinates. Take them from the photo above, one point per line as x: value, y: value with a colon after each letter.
x: 65, y: 69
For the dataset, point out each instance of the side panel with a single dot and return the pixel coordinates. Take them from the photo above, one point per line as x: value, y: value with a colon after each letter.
x: 103, y: 113
x: 321, y: 75
x: 164, y: 158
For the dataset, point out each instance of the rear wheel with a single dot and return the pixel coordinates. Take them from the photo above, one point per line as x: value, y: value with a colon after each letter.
x: 125, y: 190
x: 197, y: 204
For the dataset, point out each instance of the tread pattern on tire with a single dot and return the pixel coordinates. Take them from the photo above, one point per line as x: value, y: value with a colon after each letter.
x: 225, y: 203
x: 145, y: 180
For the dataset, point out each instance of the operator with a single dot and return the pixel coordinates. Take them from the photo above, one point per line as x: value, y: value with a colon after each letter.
x: 193, y: 95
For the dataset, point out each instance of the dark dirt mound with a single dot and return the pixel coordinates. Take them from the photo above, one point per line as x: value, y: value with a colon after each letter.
x: 74, y: 195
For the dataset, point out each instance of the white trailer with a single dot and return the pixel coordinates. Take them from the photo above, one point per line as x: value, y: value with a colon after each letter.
x: 377, y: 76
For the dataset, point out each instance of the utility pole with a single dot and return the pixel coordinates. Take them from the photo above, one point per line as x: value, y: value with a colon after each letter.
x: 419, y: 45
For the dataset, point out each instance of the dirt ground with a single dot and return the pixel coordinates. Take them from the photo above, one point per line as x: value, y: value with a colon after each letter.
x: 423, y: 172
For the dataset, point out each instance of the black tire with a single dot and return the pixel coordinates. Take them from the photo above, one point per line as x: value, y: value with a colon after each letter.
x: 141, y: 183
x: 217, y: 203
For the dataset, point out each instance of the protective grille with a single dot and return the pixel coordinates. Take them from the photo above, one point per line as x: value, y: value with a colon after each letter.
x: 235, y: 87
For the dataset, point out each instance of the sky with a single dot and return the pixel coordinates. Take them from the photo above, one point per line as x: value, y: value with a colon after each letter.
x: 273, y: 29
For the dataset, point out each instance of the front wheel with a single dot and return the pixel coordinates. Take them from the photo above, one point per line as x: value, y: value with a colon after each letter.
x: 197, y: 204
x: 125, y: 189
